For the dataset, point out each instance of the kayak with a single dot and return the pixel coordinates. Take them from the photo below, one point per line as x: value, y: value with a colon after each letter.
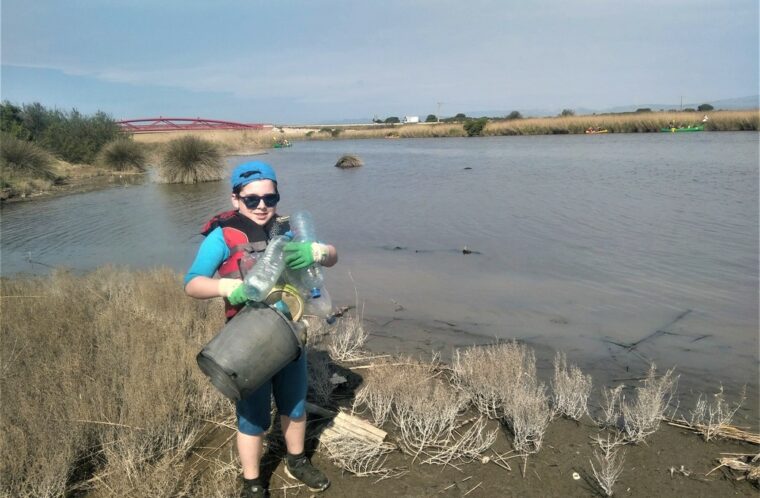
x: 280, y: 146
x: 683, y: 128
x: 594, y: 132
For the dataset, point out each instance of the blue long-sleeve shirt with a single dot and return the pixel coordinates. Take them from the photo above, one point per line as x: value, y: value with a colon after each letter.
x: 211, y: 254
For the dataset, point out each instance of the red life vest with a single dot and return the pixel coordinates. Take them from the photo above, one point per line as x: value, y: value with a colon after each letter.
x: 245, y: 240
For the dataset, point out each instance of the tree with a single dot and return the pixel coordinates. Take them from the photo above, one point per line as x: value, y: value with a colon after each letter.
x: 474, y: 127
x: 567, y: 112
x: 460, y: 116
x: 392, y: 120
x: 514, y: 115
x: 431, y: 118
x: 705, y: 107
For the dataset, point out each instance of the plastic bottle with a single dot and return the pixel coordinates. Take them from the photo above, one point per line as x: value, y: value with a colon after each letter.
x: 264, y: 275
x: 320, y: 306
x: 310, y: 279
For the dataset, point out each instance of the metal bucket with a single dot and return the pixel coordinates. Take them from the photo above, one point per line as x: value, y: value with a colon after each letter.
x: 256, y: 344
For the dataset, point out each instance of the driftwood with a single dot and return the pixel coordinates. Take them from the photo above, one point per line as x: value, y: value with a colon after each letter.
x: 728, y: 431
x: 342, y: 423
x: 748, y: 466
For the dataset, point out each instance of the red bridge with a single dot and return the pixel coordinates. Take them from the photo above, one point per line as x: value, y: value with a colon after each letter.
x: 146, y: 125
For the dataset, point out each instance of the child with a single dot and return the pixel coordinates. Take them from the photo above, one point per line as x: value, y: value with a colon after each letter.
x: 233, y: 239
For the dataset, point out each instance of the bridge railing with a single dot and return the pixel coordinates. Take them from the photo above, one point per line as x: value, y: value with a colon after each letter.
x: 149, y: 125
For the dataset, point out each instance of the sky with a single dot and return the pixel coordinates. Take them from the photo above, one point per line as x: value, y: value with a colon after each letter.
x: 305, y: 61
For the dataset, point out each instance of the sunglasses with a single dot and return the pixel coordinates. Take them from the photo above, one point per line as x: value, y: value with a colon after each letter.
x: 252, y: 201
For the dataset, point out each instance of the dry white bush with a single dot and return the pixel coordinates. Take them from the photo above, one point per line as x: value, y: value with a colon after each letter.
x: 359, y: 456
x: 501, y: 381
x: 348, y: 338
x: 320, y: 386
x: 468, y: 445
x: 385, y: 380
x: 378, y: 401
x: 570, y: 389
x: 710, y: 418
x: 527, y: 416
x: 642, y: 417
x: 489, y: 374
x: 610, y: 465
x: 425, y: 413
x: 610, y: 407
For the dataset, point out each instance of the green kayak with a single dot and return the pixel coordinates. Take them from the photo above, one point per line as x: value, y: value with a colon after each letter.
x: 281, y: 146
x: 683, y: 128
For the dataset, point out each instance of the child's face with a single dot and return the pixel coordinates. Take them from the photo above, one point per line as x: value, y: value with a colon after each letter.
x: 260, y: 214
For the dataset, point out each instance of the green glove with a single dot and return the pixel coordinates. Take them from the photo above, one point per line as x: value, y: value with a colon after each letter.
x: 238, y: 297
x: 298, y: 255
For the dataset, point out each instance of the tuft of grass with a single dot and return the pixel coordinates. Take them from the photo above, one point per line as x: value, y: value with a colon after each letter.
x: 23, y: 159
x: 123, y: 154
x: 190, y: 159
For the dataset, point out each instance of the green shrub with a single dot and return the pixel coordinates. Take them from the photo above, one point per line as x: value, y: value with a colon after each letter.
x: 77, y: 138
x: 705, y: 107
x: 310, y: 133
x: 431, y: 118
x: 567, y: 112
x: 22, y: 158
x: 123, y: 154
x: 514, y: 115
x: 191, y: 160
x: 392, y: 120
x: 475, y: 127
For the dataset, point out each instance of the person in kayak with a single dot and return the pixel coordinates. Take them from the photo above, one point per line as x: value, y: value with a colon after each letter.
x: 233, y: 239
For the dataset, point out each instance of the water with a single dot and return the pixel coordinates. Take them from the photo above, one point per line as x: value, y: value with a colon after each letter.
x: 580, y: 241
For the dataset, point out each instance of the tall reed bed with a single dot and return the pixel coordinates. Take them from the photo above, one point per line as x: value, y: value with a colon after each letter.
x: 99, y: 383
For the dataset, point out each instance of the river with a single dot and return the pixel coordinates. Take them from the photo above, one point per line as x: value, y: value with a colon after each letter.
x: 580, y: 243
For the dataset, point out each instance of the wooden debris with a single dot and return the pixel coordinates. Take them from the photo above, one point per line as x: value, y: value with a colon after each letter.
x: 342, y: 423
x: 728, y: 431
x: 748, y: 467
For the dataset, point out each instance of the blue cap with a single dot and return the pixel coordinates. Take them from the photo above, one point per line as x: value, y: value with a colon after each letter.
x: 251, y: 172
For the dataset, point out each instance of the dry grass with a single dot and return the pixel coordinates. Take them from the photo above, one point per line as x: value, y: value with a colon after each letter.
x: 570, y: 389
x: 642, y: 416
x: 101, y: 369
x: 712, y: 418
x: 610, y: 466
x: 346, y: 340
x: 625, y: 123
x: 502, y: 383
x: 611, y: 410
x: 359, y: 456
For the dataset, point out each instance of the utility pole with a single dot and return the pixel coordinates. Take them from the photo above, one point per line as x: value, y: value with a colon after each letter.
x: 438, y: 112
x: 682, y: 102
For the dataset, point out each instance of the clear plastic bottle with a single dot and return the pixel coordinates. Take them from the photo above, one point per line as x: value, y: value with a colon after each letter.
x: 309, y: 280
x: 264, y: 275
x: 320, y: 306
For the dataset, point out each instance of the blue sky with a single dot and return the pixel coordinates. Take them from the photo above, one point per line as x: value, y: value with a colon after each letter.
x: 310, y: 61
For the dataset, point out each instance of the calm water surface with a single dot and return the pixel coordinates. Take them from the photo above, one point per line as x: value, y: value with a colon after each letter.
x: 582, y: 240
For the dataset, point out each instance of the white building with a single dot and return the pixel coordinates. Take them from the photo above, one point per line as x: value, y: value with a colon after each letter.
x: 411, y: 119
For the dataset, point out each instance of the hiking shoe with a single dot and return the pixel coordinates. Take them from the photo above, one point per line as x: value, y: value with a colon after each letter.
x: 300, y: 468
x: 253, y: 490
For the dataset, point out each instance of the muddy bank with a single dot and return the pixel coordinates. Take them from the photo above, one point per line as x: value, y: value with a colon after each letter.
x: 672, y: 462
x: 395, y: 333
